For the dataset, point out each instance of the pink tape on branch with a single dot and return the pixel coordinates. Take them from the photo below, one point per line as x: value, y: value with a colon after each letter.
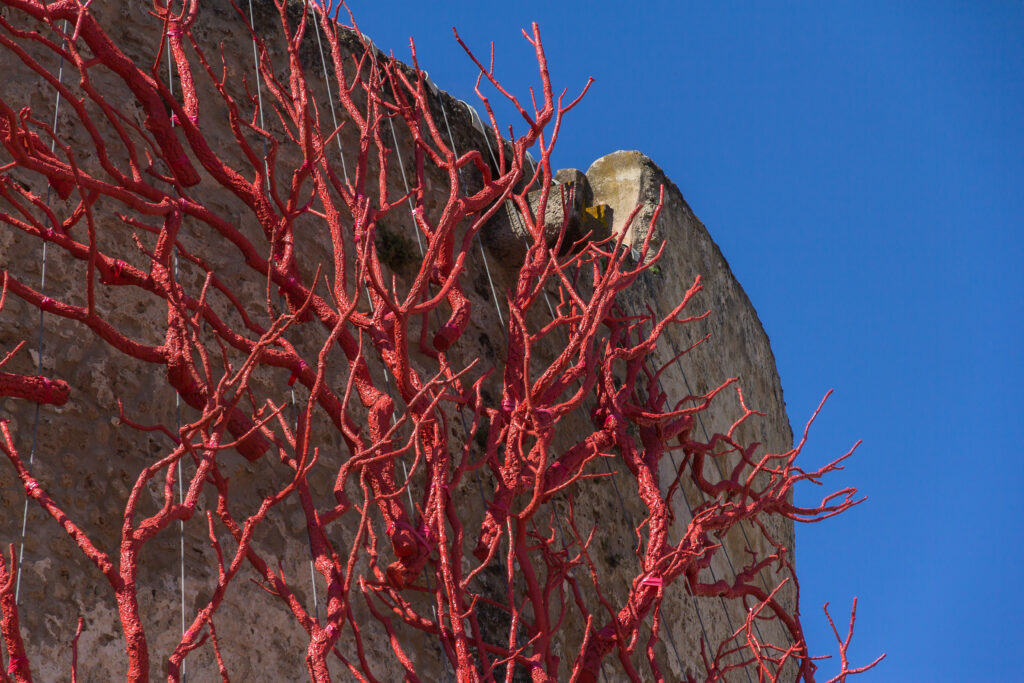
x: 290, y: 282
x: 295, y: 373
x: 12, y: 666
x: 193, y: 118
x: 174, y: 32
x: 655, y: 581
x: 30, y: 487
x: 331, y: 630
x: 47, y: 302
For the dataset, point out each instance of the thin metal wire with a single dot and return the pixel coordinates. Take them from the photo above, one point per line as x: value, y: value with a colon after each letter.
x: 489, y: 277
x: 483, y: 254
x: 266, y: 174
x: 718, y: 467
x: 177, y: 410
x: 405, y: 183
x: 39, y: 345
x: 312, y: 570
x: 629, y: 520
x: 259, y: 92
x: 330, y: 95
x: 344, y: 169
x: 419, y: 243
x: 181, y: 499
x: 625, y: 513
x: 622, y: 506
x: 516, y: 222
x: 510, y: 213
x: 672, y: 459
x: 490, y: 282
x: 704, y: 429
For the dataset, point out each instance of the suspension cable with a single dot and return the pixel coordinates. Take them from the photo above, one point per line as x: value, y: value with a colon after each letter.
x: 480, y: 244
x: 718, y: 466
x: 39, y: 343
x: 266, y: 174
x: 419, y: 243
x: 518, y: 226
x: 628, y: 518
x: 387, y: 381
x: 622, y: 507
x: 690, y: 510
x: 177, y: 410
x: 497, y: 309
x: 522, y: 233
x: 672, y: 459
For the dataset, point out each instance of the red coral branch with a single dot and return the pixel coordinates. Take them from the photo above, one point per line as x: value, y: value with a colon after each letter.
x: 441, y: 516
x: 844, y: 645
x: 34, y: 388
x: 17, y: 661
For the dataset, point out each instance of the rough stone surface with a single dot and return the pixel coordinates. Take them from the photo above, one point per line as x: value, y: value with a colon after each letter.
x: 736, y: 344
x: 88, y: 462
x: 508, y: 237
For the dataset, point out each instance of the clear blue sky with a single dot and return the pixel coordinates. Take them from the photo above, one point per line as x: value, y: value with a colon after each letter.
x: 862, y: 167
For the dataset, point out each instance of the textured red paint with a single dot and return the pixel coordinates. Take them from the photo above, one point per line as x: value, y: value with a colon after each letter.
x: 602, y: 365
x: 17, y: 661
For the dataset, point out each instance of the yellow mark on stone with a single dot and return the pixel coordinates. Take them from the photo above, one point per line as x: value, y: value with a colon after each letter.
x: 597, y: 213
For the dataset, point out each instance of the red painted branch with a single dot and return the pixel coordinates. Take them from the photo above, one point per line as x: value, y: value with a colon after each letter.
x: 35, y: 388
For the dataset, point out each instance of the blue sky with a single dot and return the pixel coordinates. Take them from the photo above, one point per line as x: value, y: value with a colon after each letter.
x: 861, y: 167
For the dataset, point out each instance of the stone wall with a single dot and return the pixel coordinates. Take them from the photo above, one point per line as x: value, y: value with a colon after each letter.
x: 89, y: 463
